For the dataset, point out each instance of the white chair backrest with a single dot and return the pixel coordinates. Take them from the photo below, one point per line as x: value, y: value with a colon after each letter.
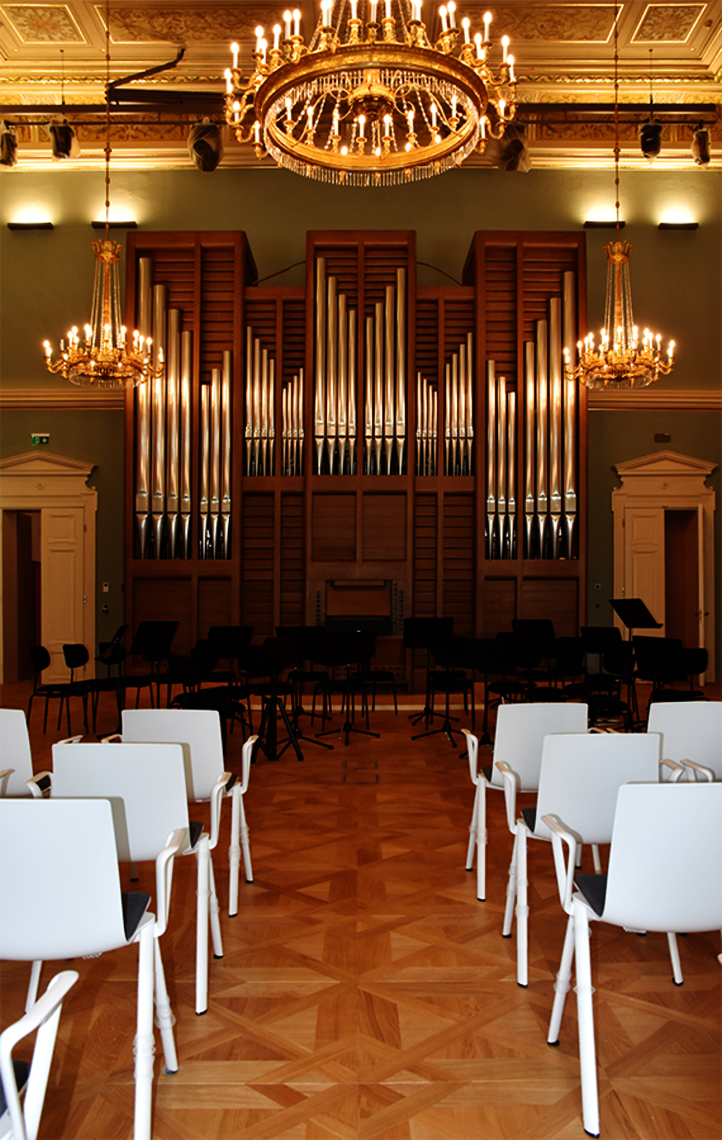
x: 200, y: 729
x: 520, y: 732
x: 665, y: 863
x: 582, y: 773
x: 145, y: 783
x: 59, y: 884
x: 15, y: 750
x: 691, y: 730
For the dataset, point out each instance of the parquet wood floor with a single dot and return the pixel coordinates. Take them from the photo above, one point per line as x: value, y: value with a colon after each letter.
x: 365, y: 993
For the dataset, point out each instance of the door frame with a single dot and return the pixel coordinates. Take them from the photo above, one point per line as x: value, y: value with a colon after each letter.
x: 36, y: 481
x: 663, y: 481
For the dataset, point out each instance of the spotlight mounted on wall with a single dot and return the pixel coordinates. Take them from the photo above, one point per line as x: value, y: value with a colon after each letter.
x: 650, y: 139
x: 701, y: 146
x: 205, y: 145
x: 8, y: 144
x: 64, y: 139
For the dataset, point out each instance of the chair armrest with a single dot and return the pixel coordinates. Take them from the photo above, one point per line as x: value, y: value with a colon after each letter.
x: 704, y: 773
x: 561, y: 834
x: 511, y: 786
x: 4, y: 777
x: 675, y: 771
x: 70, y: 740
x: 175, y: 842
x: 472, y: 744
x: 40, y: 784
x: 113, y: 737
x: 246, y: 757
x: 216, y: 797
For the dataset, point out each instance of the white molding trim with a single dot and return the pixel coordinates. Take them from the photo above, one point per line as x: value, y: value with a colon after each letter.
x: 70, y: 397
x: 657, y: 399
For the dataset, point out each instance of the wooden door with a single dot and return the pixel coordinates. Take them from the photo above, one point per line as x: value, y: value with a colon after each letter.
x: 644, y: 575
x: 62, y: 544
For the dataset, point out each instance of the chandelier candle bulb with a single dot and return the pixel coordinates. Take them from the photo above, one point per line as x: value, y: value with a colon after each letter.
x: 504, y: 48
x: 276, y: 36
x: 442, y: 14
x: 287, y: 24
x: 487, y: 22
x: 234, y: 53
x: 466, y: 24
x: 296, y: 22
x: 451, y: 8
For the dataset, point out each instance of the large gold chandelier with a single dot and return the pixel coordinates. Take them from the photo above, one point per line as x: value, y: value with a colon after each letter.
x: 622, y: 359
x: 370, y: 101
x: 103, y: 358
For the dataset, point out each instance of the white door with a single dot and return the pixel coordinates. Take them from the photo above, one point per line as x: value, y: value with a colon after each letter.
x: 62, y: 544
x: 644, y: 561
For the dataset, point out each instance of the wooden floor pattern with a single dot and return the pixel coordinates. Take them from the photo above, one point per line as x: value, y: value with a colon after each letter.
x: 364, y: 991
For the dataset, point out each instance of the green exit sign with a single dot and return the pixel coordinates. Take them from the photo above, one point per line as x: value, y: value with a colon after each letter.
x: 39, y: 438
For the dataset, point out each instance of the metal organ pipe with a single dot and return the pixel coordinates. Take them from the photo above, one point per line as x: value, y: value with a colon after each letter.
x: 143, y: 409
x: 501, y: 467
x: 542, y: 414
x: 342, y: 405
x: 173, y: 423
x: 226, y: 451
x: 491, y: 469
x: 400, y: 366
x: 570, y: 418
x: 555, y: 420
x: 158, y: 420
x: 186, y: 502
x: 320, y: 395
x: 530, y: 523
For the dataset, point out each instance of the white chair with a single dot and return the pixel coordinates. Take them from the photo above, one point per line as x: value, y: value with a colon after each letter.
x: 67, y: 903
x: 22, y: 1094
x: 579, y: 778
x: 520, y: 732
x: 200, y: 729
x: 16, y: 755
x: 147, y: 786
x: 665, y: 873
x: 691, y: 735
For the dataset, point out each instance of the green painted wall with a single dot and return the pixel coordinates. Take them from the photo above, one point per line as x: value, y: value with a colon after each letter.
x: 46, y: 281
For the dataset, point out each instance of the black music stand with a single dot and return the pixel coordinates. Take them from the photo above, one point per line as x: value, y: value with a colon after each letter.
x: 343, y: 649
x: 302, y: 641
x: 152, y: 642
x: 453, y: 654
x: 633, y: 614
x: 274, y: 656
x: 424, y: 633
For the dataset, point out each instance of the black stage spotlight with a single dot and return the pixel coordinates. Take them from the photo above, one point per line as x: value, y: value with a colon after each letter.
x: 701, y: 146
x: 650, y: 139
x: 205, y: 146
x: 510, y: 152
x: 8, y: 144
x: 64, y: 139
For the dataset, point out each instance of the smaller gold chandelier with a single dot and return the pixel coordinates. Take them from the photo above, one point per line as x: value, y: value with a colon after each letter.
x: 621, y: 360
x: 103, y: 359
x: 370, y: 101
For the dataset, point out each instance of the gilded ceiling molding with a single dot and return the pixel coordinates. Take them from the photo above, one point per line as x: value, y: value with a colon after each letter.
x: 43, y: 23
x: 58, y: 398
x: 560, y: 23
x: 667, y: 23
x: 203, y: 24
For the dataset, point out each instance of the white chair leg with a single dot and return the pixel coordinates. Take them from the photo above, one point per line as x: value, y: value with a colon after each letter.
x: 473, y: 832
x: 597, y: 860
x: 245, y: 843
x: 561, y: 985
x: 33, y: 985
x: 522, y: 909
x: 674, y: 955
x: 234, y: 853
x: 215, y: 913
x: 510, y: 893
x: 585, y: 1017
x: 481, y: 841
x: 144, y: 1047
x: 203, y: 857
x: 164, y: 1018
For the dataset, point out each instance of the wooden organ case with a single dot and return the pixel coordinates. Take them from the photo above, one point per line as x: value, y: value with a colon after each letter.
x: 360, y: 430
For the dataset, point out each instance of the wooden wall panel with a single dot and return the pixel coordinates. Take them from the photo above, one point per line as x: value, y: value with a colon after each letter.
x: 333, y: 532
x: 258, y: 565
x: 498, y: 605
x: 458, y: 562
x: 426, y: 556
x: 214, y: 603
x: 293, y: 566
x: 556, y: 599
x: 165, y: 599
x: 383, y: 528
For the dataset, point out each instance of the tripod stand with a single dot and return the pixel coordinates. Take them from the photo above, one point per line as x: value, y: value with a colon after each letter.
x: 274, y: 655
x: 342, y: 650
x: 423, y: 633
x: 453, y: 656
x: 303, y: 642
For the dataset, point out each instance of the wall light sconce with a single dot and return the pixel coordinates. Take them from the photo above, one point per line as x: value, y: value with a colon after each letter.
x: 603, y: 225
x: 678, y: 226
x: 99, y: 225
x: 30, y: 226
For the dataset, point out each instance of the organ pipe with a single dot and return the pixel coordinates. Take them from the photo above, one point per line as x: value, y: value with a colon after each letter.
x: 172, y: 372
x: 158, y: 420
x: 226, y: 451
x: 555, y: 420
x: 570, y: 418
x: 185, y: 442
x: 143, y: 410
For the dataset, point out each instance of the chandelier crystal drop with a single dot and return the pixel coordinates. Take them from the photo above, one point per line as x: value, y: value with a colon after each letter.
x: 370, y: 101
x: 622, y: 359
x: 103, y: 358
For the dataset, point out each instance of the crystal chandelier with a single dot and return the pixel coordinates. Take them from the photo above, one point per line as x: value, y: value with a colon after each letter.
x: 103, y: 359
x: 370, y: 101
x: 622, y: 360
